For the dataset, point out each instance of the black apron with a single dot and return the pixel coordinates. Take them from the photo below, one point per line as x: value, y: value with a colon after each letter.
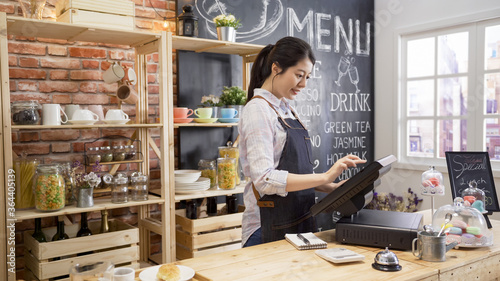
x: 280, y: 215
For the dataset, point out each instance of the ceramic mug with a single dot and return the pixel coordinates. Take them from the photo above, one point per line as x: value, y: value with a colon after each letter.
x: 228, y: 113
x: 51, y: 114
x: 116, y: 114
x: 182, y: 112
x: 127, y: 94
x: 85, y: 114
x: 70, y: 109
x: 97, y: 109
x: 130, y: 76
x: 113, y: 74
x: 203, y: 112
x: 124, y: 274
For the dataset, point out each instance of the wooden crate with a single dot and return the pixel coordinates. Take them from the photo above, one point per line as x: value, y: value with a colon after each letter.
x: 119, y: 7
x: 98, y: 19
x: 209, y: 235
x: 118, y: 246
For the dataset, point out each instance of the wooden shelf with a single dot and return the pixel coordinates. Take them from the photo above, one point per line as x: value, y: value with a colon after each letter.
x: 43, y: 127
x: 223, y: 125
x: 99, y: 204
x: 201, y: 45
x: 209, y: 193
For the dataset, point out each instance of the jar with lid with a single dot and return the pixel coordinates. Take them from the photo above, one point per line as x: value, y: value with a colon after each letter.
x: 118, y: 153
x: 130, y: 152
x: 474, y: 197
x: 106, y: 154
x: 226, y: 173
x: 208, y: 170
x: 69, y: 182
x: 25, y: 169
x: 107, y: 181
x: 119, y: 191
x: 49, y: 188
x: 25, y: 113
x: 231, y: 152
x: 139, y: 187
x: 432, y: 182
x: 93, y: 156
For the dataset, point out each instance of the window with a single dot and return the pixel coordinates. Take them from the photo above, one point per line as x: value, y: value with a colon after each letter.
x: 450, y: 91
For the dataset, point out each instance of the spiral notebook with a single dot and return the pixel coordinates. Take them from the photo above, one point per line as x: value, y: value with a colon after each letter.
x: 300, y: 244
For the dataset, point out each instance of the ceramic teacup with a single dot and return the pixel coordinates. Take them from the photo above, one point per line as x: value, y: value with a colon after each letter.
x: 70, y: 109
x: 116, y: 114
x: 203, y: 112
x: 182, y: 112
x: 85, y: 114
x: 124, y: 274
x: 113, y: 74
x: 228, y: 112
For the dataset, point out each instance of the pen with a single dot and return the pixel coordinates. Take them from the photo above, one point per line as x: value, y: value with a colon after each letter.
x: 303, y: 239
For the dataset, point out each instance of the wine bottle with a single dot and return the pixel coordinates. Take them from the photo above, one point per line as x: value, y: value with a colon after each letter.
x: 38, y: 234
x: 104, y: 221
x: 84, y: 227
x: 60, y: 234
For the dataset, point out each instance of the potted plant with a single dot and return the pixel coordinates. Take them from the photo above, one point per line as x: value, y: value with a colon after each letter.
x: 226, y: 27
x: 213, y: 102
x: 234, y: 97
x: 86, y: 184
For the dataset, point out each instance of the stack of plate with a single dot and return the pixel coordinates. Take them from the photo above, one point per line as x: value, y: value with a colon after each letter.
x: 201, y: 184
x: 186, y: 176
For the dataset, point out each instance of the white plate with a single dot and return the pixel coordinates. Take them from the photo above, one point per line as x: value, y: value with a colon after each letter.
x: 82, y: 122
x: 187, y: 173
x: 201, y: 186
x: 149, y: 274
x: 116, y: 121
x: 182, y: 191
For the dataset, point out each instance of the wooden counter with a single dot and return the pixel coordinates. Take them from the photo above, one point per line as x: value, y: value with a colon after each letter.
x: 281, y: 261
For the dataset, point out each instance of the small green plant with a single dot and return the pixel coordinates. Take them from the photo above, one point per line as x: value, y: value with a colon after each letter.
x: 233, y: 96
x: 211, y: 101
x: 229, y: 20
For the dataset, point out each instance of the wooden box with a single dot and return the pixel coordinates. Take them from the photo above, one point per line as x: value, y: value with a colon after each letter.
x: 97, y: 19
x: 119, y: 7
x: 209, y: 235
x: 118, y: 246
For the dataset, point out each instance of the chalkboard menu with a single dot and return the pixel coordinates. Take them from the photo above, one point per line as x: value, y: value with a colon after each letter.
x: 337, y: 105
x: 464, y: 167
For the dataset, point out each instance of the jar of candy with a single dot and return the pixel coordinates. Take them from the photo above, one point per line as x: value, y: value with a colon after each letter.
x: 25, y: 113
x: 139, y: 187
x: 226, y: 173
x: 474, y: 197
x: 208, y: 170
x: 130, y: 152
x: 106, y: 154
x: 432, y: 182
x: 119, y: 191
x: 49, y: 188
x: 118, y: 153
x: 69, y: 182
x: 231, y: 152
x: 25, y: 173
x: 93, y: 155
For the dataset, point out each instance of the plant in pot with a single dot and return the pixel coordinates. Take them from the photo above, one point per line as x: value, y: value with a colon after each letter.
x: 213, y: 102
x: 234, y: 97
x: 86, y: 183
x: 226, y: 27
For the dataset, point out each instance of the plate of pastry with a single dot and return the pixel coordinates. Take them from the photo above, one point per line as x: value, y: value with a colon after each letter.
x: 167, y: 272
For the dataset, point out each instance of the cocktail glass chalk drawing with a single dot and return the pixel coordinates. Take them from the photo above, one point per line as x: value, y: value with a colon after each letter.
x: 343, y: 67
x: 353, y: 75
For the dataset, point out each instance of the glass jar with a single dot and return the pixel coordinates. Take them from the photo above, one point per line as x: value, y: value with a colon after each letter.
x: 93, y: 156
x: 118, y: 153
x: 106, y: 154
x: 25, y: 172
x: 474, y: 197
x: 25, y: 113
x: 139, y: 187
x: 432, y: 182
x: 208, y: 170
x: 130, y: 152
x: 49, y: 188
x: 119, y: 191
x: 226, y: 173
x: 107, y: 181
x: 231, y: 152
x: 69, y: 182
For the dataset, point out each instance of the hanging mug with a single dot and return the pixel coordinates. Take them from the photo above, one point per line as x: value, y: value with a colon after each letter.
x: 113, y: 74
x: 51, y: 115
x: 127, y: 94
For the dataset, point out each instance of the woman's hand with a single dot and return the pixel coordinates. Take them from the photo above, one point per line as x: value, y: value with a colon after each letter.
x: 341, y: 165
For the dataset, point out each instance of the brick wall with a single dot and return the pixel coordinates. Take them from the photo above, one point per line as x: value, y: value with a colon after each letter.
x: 58, y: 71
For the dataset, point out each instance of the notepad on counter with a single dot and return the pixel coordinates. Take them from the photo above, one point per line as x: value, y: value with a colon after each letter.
x: 308, y: 241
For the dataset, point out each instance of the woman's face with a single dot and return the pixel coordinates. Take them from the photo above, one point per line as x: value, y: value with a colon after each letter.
x: 289, y: 83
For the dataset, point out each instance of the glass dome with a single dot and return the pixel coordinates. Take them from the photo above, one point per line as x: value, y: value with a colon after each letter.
x: 467, y: 226
x: 474, y: 197
x: 432, y: 182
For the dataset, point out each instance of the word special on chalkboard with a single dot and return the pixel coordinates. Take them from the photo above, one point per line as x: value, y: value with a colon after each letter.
x: 464, y: 167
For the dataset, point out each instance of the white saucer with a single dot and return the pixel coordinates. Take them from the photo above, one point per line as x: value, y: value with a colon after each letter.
x: 205, y: 120
x: 229, y: 120
x: 187, y: 191
x: 123, y: 121
x: 82, y: 122
x: 149, y: 274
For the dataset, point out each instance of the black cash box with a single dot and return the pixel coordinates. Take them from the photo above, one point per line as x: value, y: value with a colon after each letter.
x: 375, y: 228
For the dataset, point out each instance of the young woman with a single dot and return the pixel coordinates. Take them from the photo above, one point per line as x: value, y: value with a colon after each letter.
x: 275, y: 149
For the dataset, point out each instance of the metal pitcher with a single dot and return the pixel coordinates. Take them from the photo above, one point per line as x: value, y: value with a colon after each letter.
x: 430, y: 247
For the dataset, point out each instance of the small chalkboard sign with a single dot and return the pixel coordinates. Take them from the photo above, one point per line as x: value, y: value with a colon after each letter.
x: 464, y: 167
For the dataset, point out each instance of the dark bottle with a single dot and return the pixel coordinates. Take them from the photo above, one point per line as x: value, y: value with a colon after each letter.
x: 84, y: 227
x: 60, y: 234
x: 104, y: 221
x: 38, y: 234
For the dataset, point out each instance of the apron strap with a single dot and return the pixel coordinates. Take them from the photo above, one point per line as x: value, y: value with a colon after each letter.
x: 262, y: 204
x: 279, y: 116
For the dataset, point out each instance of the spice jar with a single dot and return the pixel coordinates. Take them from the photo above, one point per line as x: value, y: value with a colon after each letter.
x: 130, y: 152
x: 139, y: 187
x: 226, y: 173
x: 231, y: 152
x: 208, y: 169
x: 106, y: 154
x: 107, y: 181
x: 474, y: 197
x: 118, y: 153
x: 119, y: 191
x: 93, y: 156
x: 25, y: 113
x: 25, y: 172
x: 69, y: 182
x: 49, y: 188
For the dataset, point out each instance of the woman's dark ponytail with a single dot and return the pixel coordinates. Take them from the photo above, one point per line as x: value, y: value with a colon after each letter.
x: 260, y: 70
